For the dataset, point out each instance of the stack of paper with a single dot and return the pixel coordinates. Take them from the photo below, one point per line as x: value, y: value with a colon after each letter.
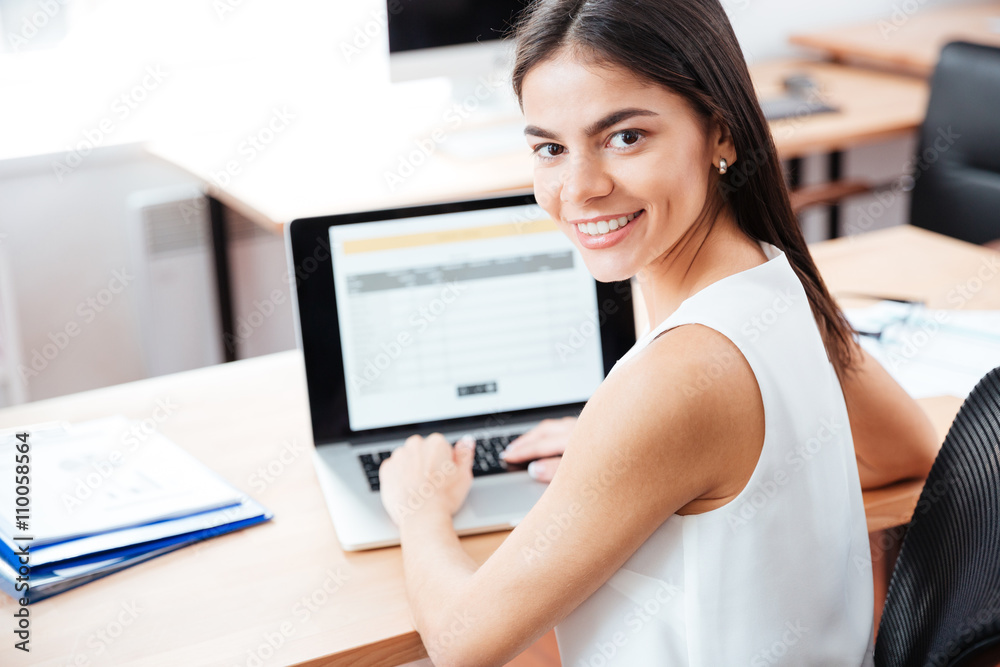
x: 104, y: 496
x: 930, y: 352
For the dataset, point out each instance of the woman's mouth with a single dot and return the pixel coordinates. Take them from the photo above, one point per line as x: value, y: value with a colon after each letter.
x: 605, y: 233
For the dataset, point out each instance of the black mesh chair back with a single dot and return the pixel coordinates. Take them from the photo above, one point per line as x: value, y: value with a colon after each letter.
x: 957, y: 166
x: 943, y: 604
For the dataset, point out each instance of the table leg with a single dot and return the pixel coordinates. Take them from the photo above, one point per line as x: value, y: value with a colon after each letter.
x: 834, y: 173
x: 223, y: 283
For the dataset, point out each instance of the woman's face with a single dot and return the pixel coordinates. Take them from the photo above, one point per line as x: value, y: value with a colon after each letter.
x: 621, y: 165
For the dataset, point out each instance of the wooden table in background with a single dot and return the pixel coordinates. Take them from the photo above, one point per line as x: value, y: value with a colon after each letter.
x: 907, y: 42
x: 284, y: 593
x: 299, y: 180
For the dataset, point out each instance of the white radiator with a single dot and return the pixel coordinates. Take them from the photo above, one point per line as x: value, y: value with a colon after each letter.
x: 12, y: 385
x: 178, y: 304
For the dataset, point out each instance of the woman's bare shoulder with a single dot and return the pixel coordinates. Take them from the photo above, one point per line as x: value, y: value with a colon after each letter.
x: 691, y: 386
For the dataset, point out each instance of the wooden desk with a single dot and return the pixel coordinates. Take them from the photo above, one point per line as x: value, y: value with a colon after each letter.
x: 874, y: 107
x: 284, y: 592
x: 905, y: 42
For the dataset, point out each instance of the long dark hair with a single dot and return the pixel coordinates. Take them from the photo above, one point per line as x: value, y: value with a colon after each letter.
x: 689, y: 47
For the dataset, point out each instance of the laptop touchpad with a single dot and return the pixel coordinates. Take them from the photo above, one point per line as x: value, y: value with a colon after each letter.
x: 499, y: 499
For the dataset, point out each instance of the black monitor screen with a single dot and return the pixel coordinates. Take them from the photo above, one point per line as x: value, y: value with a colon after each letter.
x: 424, y: 24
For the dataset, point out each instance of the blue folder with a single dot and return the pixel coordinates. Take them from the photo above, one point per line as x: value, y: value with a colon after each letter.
x: 59, y: 567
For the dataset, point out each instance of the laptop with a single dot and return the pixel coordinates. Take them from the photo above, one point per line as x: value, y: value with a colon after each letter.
x: 475, y: 317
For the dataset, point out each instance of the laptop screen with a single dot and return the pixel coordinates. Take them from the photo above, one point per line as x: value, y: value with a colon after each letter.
x: 462, y: 314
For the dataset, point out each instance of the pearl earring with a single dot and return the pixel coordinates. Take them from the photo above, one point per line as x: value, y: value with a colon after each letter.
x: 723, y: 166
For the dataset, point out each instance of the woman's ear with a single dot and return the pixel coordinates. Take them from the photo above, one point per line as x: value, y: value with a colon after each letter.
x: 721, y: 143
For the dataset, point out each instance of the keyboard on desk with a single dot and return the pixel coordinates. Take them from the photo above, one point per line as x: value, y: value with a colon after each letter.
x: 486, y: 462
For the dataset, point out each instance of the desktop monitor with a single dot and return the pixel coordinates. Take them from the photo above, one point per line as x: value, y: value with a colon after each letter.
x: 452, y: 38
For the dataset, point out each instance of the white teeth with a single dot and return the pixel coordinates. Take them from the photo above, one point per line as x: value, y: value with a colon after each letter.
x: 605, y: 226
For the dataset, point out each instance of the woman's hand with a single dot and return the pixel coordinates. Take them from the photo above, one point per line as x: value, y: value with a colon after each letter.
x: 543, y: 446
x: 426, y: 474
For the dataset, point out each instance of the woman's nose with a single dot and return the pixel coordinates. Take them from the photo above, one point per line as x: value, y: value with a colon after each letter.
x: 583, y: 180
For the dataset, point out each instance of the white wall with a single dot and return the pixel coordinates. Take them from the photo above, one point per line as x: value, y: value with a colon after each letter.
x: 65, y: 242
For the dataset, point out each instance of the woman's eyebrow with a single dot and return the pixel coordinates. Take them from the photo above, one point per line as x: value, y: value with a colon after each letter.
x: 610, y: 120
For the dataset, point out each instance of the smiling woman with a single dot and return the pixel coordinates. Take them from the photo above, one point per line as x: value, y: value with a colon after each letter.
x: 707, y: 508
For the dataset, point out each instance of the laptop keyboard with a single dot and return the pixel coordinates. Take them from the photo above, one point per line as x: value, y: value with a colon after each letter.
x: 486, y: 462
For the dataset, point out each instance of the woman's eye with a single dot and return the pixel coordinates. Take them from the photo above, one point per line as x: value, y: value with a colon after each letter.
x: 625, y: 138
x: 549, y: 150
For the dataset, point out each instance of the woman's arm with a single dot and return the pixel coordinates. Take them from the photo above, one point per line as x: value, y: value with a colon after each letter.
x: 893, y: 437
x: 643, y: 449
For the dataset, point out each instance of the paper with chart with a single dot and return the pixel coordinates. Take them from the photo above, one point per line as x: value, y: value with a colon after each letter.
x: 449, y: 316
x: 91, y: 478
x: 930, y: 352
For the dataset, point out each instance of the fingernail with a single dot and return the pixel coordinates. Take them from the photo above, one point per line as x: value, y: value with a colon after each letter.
x: 467, y: 441
x: 533, y: 470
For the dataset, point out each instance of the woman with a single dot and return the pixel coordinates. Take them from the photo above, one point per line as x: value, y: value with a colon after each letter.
x: 707, y: 509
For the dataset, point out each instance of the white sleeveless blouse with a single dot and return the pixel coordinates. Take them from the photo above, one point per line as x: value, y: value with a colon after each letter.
x: 780, y: 575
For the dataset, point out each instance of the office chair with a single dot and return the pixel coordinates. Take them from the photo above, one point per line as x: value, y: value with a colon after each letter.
x: 943, y: 604
x: 957, y: 166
